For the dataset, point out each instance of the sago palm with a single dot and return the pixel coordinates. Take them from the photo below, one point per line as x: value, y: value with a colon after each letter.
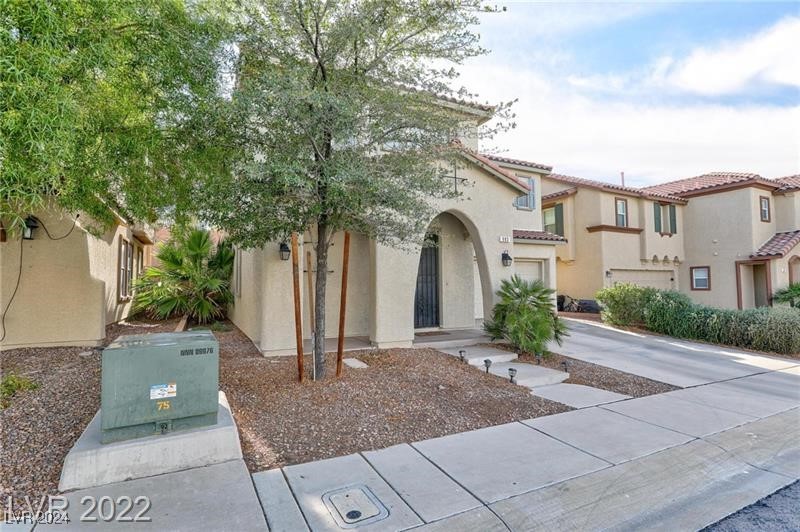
x: 193, y: 278
x: 790, y: 294
x: 525, y: 316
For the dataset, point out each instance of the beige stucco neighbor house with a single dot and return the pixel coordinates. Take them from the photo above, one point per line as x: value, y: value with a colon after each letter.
x: 393, y: 293
x: 71, y: 284
x: 614, y: 234
x: 741, y: 238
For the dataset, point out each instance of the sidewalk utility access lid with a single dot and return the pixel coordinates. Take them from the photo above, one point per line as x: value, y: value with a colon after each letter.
x: 354, y: 506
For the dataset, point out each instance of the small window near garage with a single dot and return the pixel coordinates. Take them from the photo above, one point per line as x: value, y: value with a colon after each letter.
x: 527, y: 201
x: 764, y: 208
x: 701, y: 277
x: 621, y: 212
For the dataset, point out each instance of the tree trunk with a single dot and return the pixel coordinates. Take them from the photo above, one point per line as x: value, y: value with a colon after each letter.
x: 319, y: 302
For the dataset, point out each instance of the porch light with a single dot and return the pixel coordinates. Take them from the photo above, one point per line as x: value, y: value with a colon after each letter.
x: 608, y: 274
x: 30, y: 226
x: 487, y: 363
x: 512, y: 372
x: 284, y: 250
x: 462, y: 355
x: 506, y: 258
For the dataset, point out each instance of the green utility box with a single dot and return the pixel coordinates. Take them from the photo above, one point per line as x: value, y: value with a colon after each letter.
x: 157, y: 383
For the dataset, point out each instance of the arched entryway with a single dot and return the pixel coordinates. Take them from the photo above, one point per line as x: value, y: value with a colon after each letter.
x: 451, y: 276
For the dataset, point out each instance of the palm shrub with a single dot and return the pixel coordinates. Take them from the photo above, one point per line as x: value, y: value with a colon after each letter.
x: 790, y: 294
x: 525, y: 316
x: 193, y: 279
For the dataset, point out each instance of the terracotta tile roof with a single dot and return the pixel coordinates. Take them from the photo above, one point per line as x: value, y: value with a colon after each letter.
x: 518, y: 162
x: 494, y: 167
x: 610, y: 187
x: 560, y: 194
x: 791, y: 182
x: 709, y: 181
x: 779, y: 245
x: 538, y: 235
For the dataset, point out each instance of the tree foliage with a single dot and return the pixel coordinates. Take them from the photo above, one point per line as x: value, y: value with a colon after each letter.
x: 525, y: 316
x: 99, y: 103
x: 340, y: 121
x: 193, y: 278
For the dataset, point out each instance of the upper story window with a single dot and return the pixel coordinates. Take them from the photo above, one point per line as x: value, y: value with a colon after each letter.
x: 621, y: 210
x: 701, y: 277
x: 527, y: 201
x: 764, y: 208
x: 665, y: 219
x: 553, y: 219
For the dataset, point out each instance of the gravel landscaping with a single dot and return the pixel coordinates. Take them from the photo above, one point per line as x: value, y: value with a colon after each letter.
x: 40, y: 426
x: 404, y: 395
x: 597, y: 376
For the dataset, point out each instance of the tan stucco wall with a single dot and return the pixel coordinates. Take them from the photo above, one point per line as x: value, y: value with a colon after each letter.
x: 724, y: 228
x: 787, y: 211
x: 248, y: 302
x: 382, y: 279
x: 68, y: 289
x: 583, y: 262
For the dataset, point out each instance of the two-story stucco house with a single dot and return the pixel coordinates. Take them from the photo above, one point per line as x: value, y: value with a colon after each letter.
x: 741, y: 238
x: 614, y: 234
x: 395, y: 294
x: 61, y: 284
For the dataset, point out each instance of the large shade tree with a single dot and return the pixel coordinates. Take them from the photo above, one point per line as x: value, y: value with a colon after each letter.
x: 342, y: 118
x: 100, y: 105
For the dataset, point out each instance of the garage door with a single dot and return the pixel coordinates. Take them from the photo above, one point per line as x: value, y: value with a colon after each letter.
x: 530, y: 270
x: 654, y: 279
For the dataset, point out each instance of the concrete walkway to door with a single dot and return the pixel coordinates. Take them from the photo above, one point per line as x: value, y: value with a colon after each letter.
x: 678, y: 362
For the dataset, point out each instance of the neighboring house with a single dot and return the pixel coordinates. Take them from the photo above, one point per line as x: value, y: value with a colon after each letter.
x: 395, y: 293
x: 741, y: 238
x: 69, y: 285
x: 614, y: 234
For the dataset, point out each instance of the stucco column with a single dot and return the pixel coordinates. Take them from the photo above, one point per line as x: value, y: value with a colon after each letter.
x: 394, y: 279
x: 277, y: 320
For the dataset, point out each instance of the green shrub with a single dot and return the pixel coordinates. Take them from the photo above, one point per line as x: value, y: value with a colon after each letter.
x: 623, y: 304
x: 11, y: 384
x: 674, y: 314
x: 525, y: 316
x: 193, y: 279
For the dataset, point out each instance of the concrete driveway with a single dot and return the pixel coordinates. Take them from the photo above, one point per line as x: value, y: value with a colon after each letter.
x: 677, y: 362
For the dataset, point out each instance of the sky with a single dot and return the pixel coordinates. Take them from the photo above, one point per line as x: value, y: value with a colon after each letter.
x: 658, y: 90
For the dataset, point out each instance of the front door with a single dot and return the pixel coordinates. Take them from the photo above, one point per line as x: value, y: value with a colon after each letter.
x: 426, y: 301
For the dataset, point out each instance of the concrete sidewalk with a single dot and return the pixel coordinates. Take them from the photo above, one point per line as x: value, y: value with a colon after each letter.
x: 681, y: 460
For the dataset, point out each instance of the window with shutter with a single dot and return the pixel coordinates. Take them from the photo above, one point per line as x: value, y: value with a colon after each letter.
x: 657, y: 216
x: 673, y: 219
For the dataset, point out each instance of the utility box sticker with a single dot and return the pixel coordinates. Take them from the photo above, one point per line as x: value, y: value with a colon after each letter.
x: 163, y: 391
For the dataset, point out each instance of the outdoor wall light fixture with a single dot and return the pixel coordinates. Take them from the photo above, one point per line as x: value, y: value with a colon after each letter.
x: 506, y: 258
x: 30, y: 227
x: 512, y: 372
x: 608, y: 274
x: 487, y: 363
x: 462, y: 355
x: 284, y: 250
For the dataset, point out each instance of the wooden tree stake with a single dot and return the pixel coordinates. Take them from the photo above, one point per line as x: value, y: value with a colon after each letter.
x: 310, y: 277
x: 343, y: 302
x: 298, y: 319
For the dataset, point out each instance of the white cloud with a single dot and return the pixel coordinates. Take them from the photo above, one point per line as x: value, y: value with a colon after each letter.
x: 770, y: 56
x: 596, y: 138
